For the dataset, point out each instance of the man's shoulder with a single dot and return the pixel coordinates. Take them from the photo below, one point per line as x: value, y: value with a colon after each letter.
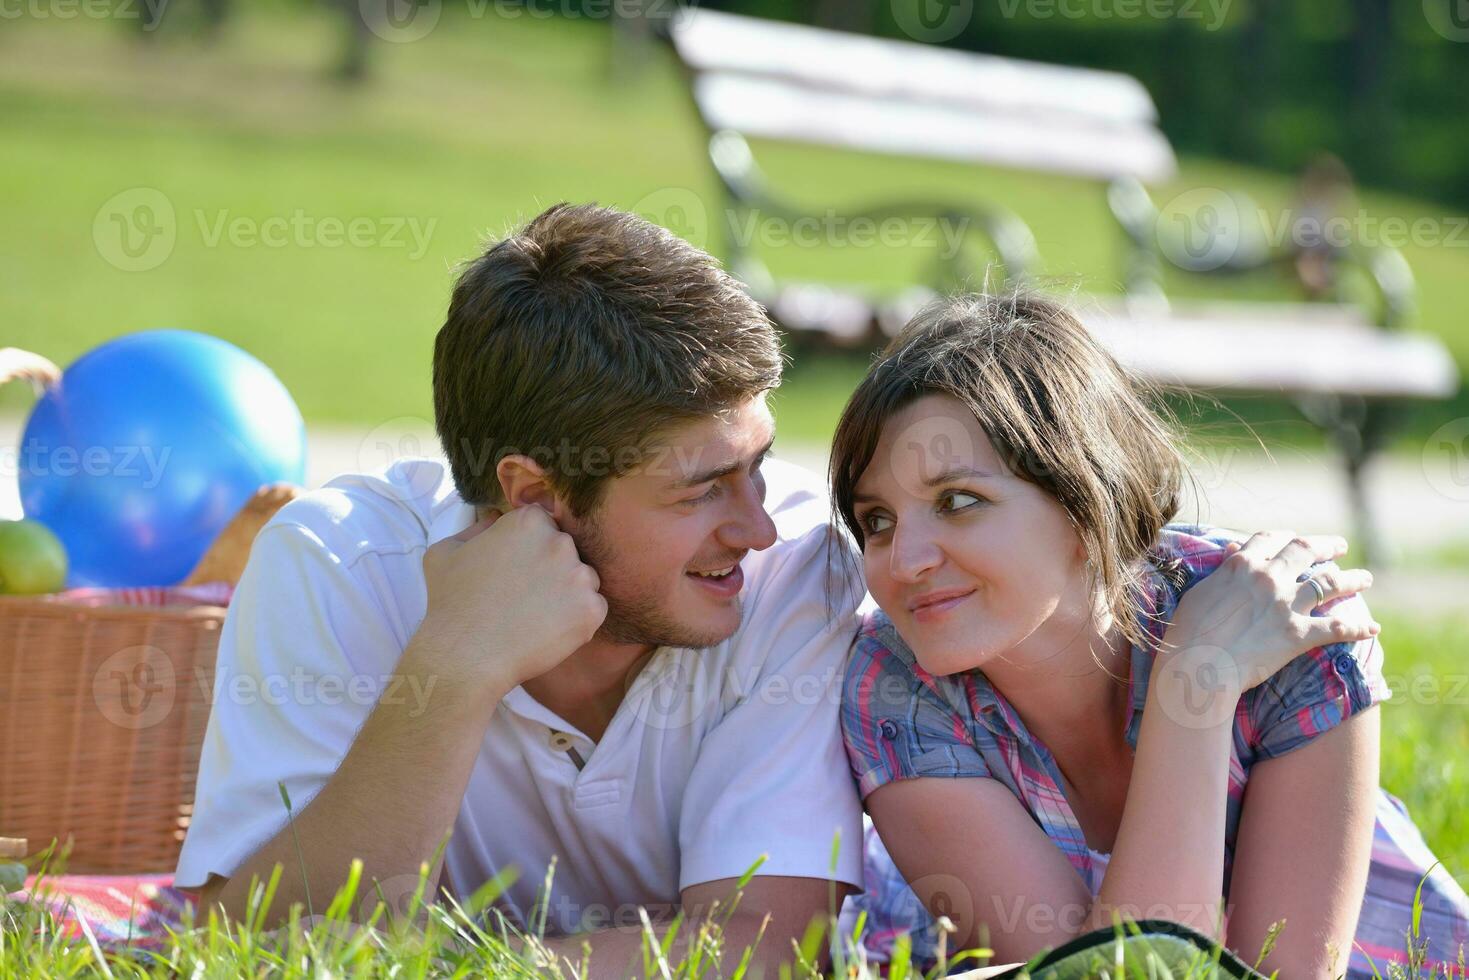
x: 809, y: 554
x: 398, y: 509
x: 796, y: 499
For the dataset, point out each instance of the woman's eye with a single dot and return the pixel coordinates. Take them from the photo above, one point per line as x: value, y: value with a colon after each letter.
x: 959, y: 500
x: 875, y: 523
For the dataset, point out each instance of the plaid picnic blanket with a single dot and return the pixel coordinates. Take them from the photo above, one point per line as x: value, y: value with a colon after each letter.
x: 120, y: 910
x: 205, y: 594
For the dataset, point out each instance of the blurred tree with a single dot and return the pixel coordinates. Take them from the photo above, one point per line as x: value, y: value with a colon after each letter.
x: 356, y: 35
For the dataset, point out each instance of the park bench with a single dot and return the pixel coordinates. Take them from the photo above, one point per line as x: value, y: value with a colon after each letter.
x: 1347, y: 366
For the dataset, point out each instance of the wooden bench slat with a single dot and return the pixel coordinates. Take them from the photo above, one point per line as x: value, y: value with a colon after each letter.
x: 1249, y: 353
x: 777, y: 109
x: 814, y: 57
x: 1246, y: 348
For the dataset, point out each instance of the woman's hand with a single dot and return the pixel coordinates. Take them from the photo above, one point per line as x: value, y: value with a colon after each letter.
x: 1251, y: 617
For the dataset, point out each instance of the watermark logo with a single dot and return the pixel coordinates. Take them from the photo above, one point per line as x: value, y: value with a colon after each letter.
x: 135, y: 687
x: 1199, y: 687
x: 397, y: 439
x: 679, y: 210
x: 401, y: 21
x: 1448, y: 18
x: 927, y: 448
x: 674, y: 695
x: 1201, y: 229
x: 1446, y: 459
x: 150, y: 12
x: 135, y: 230
x: 932, y: 21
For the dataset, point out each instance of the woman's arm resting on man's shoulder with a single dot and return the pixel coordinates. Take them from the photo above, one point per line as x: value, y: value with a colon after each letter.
x: 1303, y: 850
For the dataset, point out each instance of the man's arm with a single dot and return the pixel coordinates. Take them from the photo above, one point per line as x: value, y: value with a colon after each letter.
x: 789, y: 904
x: 508, y: 598
x: 423, y: 752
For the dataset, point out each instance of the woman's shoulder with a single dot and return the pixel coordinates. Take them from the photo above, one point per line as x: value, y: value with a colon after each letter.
x: 880, y: 651
x: 1189, y: 552
x: 878, y: 639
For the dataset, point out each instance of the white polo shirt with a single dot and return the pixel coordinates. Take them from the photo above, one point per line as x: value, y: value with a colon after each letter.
x: 714, y: 758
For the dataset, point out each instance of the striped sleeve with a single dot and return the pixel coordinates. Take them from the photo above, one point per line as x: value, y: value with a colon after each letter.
x: 1317, y: 691
x: 897, y: 722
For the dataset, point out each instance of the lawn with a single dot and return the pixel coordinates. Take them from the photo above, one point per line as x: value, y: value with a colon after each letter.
x: 455, y: 137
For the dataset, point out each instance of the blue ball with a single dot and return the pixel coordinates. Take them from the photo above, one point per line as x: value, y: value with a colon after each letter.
x: 148, y: 446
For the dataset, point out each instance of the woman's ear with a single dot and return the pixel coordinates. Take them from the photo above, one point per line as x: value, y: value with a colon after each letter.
x: 525, y: 484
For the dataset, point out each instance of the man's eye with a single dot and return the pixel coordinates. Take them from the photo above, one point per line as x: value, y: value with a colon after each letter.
x: 713, y: 491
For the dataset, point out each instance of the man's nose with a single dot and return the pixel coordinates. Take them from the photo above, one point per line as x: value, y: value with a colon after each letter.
x: 751, y: 529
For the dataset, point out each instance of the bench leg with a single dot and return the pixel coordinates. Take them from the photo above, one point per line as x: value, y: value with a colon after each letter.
x: 1357, y: 428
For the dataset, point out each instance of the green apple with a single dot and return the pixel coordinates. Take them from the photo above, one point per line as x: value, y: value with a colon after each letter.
x: 12, y: 877
x: 32, y: 559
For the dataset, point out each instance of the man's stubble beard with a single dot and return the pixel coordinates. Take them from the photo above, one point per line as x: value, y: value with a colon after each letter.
x: 639, y: 618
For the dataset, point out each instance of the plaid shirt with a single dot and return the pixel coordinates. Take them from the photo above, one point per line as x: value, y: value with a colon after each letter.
x: 900, y: 722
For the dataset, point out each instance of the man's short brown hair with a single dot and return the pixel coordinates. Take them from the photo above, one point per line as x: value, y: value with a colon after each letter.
x: 582, y: 338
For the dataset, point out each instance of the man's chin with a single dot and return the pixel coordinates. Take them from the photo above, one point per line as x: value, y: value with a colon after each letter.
x: 670, y: 629
x: 709, y: 631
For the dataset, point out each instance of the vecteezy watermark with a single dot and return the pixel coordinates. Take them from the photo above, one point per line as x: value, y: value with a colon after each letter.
x: 136, y: 230
x: 301, y: 229
x: 398, y: 439
x: 1446, y: 459
x: 1199, y: 687
x: 937, y: 21
x: 683, y: 212
x: 39, y: 459
x: 403, y: 21
x: 137, y: 688
x: 150, y: 12
x: 1208, y: 228
x: 304, y: 688
x: 1423, y: 688
x: 1448, y: 18
x: 1210, y: 13
x: 680, y: 690
x: 932, y: 21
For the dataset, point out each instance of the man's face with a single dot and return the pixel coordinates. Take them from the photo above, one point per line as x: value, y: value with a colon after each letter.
x: 696, y: 507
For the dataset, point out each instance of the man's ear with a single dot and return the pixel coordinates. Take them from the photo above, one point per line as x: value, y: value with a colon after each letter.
x: 525, y: 484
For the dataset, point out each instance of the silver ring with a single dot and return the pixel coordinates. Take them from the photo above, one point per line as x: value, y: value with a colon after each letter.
x: 1320, y: 589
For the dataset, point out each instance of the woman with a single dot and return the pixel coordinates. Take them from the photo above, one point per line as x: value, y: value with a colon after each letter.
x: 1068, y: 706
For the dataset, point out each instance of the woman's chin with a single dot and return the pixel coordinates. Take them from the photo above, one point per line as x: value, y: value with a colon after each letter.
x: 940, y: 660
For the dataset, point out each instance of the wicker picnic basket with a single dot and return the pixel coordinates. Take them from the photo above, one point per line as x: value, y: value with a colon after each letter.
x: 102, y: 717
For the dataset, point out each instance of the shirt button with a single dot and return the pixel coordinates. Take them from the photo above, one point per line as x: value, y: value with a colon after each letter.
x: 1343, y: 663
x: 560, y: 741
x: 889, y: 730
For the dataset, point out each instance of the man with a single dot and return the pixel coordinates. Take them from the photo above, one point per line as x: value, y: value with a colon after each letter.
x: 613, y: 641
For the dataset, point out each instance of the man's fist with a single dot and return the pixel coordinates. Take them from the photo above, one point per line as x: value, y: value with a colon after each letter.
x: 509, y: 598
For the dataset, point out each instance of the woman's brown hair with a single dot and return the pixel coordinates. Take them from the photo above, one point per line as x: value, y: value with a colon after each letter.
x: 1058, y: 409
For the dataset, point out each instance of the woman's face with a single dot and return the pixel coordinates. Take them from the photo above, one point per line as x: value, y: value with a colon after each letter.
x: 970, y: 562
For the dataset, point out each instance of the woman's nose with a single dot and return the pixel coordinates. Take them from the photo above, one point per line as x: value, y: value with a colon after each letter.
x: 914, y: 553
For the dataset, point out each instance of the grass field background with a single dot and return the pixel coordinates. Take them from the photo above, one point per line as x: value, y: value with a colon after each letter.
x: 475, y: 127
x: 464, y: 132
